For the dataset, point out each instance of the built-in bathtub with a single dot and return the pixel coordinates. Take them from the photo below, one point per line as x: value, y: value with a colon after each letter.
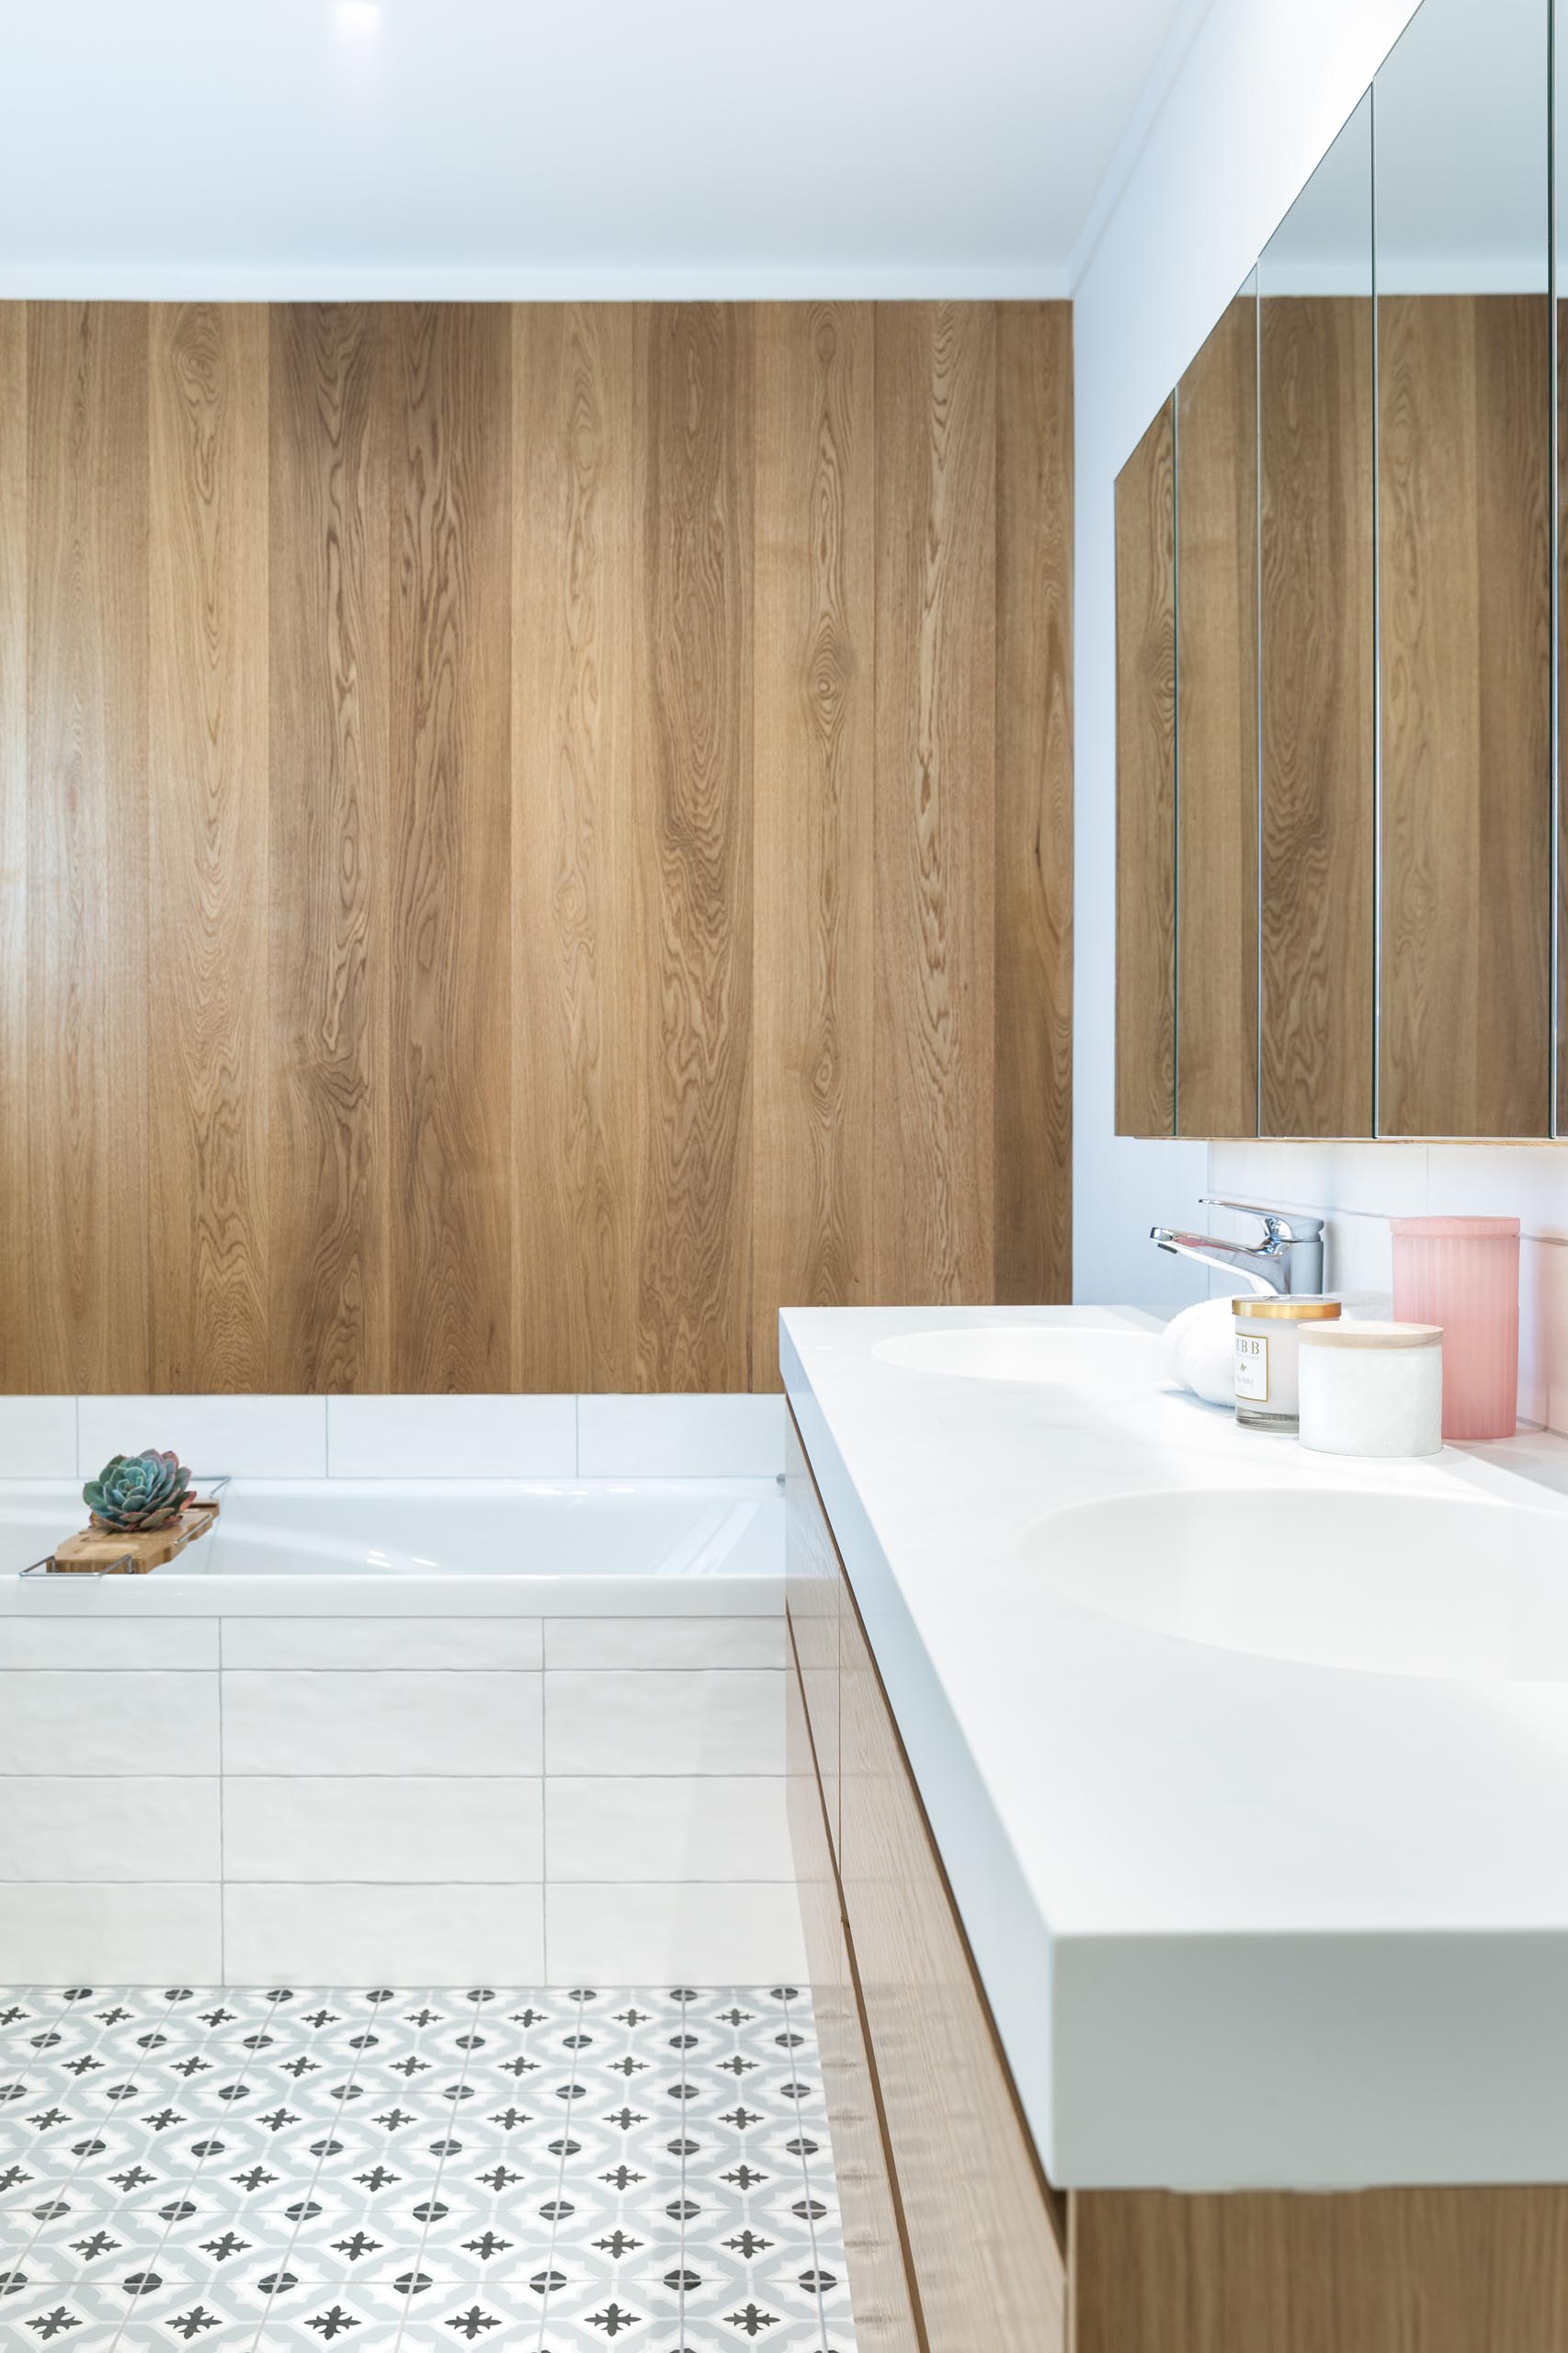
x: 424, y: 1730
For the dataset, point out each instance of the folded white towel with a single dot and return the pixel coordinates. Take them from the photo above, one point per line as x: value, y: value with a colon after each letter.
x: 1201, y: 1351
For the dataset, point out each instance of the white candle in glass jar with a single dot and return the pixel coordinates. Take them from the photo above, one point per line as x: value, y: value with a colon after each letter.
x: 1373, y: 1389
x: 1267, y: 1334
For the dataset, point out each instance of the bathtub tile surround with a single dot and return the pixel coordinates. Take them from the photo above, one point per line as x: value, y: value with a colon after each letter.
x: 451, y: 1437
x: 270, y: 2169
x: 252, y: 1437
x: 680, y: 1438
x: 37, y: 1437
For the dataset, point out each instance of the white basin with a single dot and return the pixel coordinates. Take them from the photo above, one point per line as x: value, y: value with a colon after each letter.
x: 1046, y: 1352
x: 1463, y: 1591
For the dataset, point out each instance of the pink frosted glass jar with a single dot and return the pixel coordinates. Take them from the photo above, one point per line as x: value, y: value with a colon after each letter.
x: 1463, y: 1273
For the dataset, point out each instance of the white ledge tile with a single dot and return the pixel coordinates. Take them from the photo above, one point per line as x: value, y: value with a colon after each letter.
x: 254, y: 1438
x: 680, y: 1438
x: 451, y: 1437
x: 37, y: 1437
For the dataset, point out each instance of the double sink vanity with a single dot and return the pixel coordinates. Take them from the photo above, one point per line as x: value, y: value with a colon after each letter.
x: 1181, y: 1818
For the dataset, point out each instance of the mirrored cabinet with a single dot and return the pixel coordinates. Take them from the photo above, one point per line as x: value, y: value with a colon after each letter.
x: 1338, y: 604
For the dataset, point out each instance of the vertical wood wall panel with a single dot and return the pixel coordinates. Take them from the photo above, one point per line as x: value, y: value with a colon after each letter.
x: 814, y: 962
x: 1217, y: 731
x: 579, y: 1049
x: 694, y: 747
x: 449, y: 841
x: 1317, y: 661
x: 328, y: 849
x: 1033, y: 1110
x: 530, y: 836
x: 208, y: 789
x: 16, y: 1321
x: 935, y: 662
x: 1145, y: 784
x: 90, y: 1262
x: 1464, y: 569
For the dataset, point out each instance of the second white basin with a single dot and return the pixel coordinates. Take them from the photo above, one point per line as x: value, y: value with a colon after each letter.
x: 1461, y: 1590
x: 1062, y: 1354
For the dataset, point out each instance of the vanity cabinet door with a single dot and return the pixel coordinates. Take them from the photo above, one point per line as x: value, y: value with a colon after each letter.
x: 987, y: 2261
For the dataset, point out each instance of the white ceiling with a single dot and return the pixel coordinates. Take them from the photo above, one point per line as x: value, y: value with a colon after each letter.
x: 592, y: 146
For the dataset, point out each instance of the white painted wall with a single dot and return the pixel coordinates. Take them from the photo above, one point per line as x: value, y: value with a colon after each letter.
x: 1256, y: 94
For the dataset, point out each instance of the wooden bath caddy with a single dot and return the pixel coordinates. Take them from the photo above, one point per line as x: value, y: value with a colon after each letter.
x: 98, y: 1549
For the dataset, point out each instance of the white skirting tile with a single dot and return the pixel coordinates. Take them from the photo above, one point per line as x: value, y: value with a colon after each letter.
x: 712, y: 1721
x: 109, y: 1723
x: 680, y: 1438
x: 747, y: 1934
x: 701, y: 1827
x: 59, y: 1826
x: 393, y: 1828
x: 60, y: 1935
x: 254, y: 1438
x: 452, y: 1438
x: 645, y: 1642
x: 442, y: 1723
x: 390, y: 1641
x: 37, y: 1437
x: 73, y: 1645
x: 345, y: 1933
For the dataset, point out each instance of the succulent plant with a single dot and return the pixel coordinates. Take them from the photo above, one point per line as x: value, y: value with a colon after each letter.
x: 138, y: 1491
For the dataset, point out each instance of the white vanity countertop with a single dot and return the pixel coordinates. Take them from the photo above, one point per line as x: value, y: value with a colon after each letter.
x: 1242, y: 1921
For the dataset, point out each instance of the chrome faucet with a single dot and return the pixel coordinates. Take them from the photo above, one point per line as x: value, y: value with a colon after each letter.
x: 1289, y: 1259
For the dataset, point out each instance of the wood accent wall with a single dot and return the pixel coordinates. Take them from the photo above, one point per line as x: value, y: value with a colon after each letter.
x: 1146, y: 784
x: 1464, y: 569
x: 530, y: 836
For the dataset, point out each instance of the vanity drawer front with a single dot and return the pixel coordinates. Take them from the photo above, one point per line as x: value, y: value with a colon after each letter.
x: 884, y: 2319
x: 811, y: 1594
x: 988, y: 2260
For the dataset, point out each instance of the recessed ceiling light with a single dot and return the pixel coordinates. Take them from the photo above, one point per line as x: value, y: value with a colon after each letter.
x: 355, y: 19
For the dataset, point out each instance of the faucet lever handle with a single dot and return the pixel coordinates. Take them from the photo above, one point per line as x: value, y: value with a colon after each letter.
x: 1286, y: 1225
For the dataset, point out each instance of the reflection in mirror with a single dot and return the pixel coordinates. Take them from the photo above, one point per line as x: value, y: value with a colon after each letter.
x: 1464, y: 476
x: 1216, y: 730
x: 1145, y: 784
x: 1316, y: 788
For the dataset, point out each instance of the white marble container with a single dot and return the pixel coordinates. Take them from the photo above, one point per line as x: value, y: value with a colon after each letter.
x: 1371, y: 1389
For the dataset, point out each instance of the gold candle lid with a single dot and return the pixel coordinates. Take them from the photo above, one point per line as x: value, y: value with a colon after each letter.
x: 1289, y: 1310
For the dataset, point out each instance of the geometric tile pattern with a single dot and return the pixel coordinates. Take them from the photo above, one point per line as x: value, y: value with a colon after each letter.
x: 390, y: 2171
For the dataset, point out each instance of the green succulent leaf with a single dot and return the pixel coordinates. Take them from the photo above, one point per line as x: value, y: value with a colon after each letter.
x: 144, y: 1491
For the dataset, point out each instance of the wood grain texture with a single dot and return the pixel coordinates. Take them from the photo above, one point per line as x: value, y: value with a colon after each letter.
x: 1032, y: 1119
x: 813, y: 849
x: 1562, y: 651
x: 1463, y: 2271
x: 1464, y: 572
x: 569, y: 805
x: 694, y: 745
x: 450, y: 848
x: 16, y: 1329
x: 206, y: 1007
x: 886, y: 2306
x: 331, y: 1311
x: 1145, y: 784
x: 936, y: 686
x: 1217, y: 731
x: 89, y: 1067
x: 988, y: 2265
x: 577, y: 979
x: 1316, y: 674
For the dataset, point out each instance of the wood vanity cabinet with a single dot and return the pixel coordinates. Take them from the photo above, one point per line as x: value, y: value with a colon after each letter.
x: 956, y: 2241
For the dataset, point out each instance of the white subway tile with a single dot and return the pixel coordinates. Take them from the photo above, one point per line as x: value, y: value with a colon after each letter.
x: 37, y: 1437
x: 353, y: 1933
x: 465, y: 1723
x: 637, y: 1934
x: 706, y: 1826
x: 714, y: 1720
x: 1526, y: 1181
x: 383, y: 1642
x: 680, y: 1438
x: 108, y: 1723
x: 255, y: 1438
x: 140, y: 1935
x: 648, y: 1642
x: 73, y: 1642
x: 452, y: 1438
x: 123, y: 1827
x: 394, y: 1828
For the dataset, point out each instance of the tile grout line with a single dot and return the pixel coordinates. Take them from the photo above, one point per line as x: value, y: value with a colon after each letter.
x: 806, y: 2172
x: 338, y: 2110
x: 474, y: 2019
x: 680, y: 2258
x: 560, y: 2186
